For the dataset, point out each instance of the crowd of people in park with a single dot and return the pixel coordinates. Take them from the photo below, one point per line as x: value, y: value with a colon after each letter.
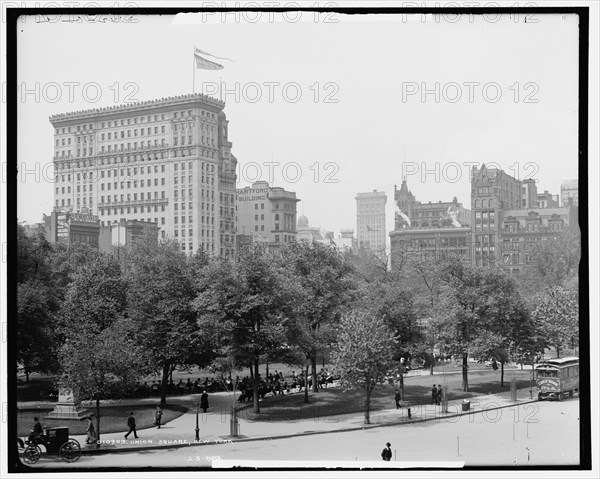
x: 274, y: 382
x: 277, y: 384
x: 180, y: 388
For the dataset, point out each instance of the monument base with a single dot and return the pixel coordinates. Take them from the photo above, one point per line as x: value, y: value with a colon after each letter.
x: 68, y: 410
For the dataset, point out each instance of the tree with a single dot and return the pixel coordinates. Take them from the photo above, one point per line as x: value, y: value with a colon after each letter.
x: 35, y: 337
x: 37, y: 301
x: 553, y: 262
x: 557, y: 311
x: 160, y: 291
x: 472, y: 301
x: 363, y: 353
x: 324, y: 280
x: 99, y: 357
x: 242, y: 304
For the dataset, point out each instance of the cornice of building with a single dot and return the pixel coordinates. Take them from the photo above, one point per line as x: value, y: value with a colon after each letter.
x: 138, y: 107
x: 422, y: 231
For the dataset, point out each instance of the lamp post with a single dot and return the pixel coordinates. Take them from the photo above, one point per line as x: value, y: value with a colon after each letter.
x: 233, y: 423
x: 197, y: 426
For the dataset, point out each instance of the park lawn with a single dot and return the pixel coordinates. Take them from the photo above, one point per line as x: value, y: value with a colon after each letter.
x: 112, y: 418
x: 417, y: 390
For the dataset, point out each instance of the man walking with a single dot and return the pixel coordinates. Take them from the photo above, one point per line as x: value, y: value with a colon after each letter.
x: 439, y: 394
x: 158, y: 416
x: 434, y: 395
x: 131, y: 426
x: 204, y: 401
x: 397, y: 399
x: 386, y: 454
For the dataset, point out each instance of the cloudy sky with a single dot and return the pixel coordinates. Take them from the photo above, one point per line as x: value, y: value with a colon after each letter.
x: 338, y: 104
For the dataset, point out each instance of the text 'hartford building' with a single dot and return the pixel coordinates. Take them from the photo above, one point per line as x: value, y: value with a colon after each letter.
x: 166, y: 161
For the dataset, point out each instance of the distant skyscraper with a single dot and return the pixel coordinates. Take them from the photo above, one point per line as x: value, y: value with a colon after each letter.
x: 370, y: 221
x: 569, y: 189
x: 266, y: 214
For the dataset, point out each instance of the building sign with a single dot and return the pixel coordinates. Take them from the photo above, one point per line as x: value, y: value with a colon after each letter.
x: 62, y: 227
x: 253, y: 194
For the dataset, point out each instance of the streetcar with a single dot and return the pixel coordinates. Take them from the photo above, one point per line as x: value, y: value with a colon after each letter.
x: 556, y: 377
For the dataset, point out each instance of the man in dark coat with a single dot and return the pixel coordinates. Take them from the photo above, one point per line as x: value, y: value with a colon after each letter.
x: 386, y: 454
x: 434, y: 395
x: 204, y: 401
x: 439, y: 394
x: 37, y: 431
x: 397, y: 399
x: 131, y: 426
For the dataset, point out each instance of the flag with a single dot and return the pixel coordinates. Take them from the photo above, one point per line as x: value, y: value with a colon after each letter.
x: 206, y: 54
x: 205, y: 64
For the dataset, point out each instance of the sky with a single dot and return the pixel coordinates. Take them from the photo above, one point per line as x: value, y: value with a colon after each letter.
x: 324, y: 105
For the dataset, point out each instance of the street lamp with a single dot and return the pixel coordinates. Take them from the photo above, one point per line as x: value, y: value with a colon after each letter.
x: 197, y: 426
x: 233, y: 424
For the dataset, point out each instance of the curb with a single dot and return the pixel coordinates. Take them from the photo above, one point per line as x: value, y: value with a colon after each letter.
x: 306, y: 433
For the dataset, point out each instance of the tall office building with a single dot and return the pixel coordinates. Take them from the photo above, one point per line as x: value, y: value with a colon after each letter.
x: 370, y: 221
x: 493, y: 191
x: 266, y: 214
x: 166, y: 161
x: 569, y: 189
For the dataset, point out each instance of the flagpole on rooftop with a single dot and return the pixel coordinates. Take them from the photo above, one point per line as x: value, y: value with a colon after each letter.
x: 193, y: 69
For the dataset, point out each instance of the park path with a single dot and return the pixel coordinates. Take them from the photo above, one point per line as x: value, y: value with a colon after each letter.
x: 214, y: 426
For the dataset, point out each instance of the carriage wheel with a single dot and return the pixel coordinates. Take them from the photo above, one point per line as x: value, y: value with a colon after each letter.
x: 32, y: 454
x: 70, y: 451
x: 560, y: 397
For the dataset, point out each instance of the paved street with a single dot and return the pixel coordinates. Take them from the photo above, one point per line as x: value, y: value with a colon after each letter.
x: 544, y: 433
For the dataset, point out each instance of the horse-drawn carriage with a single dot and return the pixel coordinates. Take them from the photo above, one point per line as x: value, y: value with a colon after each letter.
x: 54, y: 440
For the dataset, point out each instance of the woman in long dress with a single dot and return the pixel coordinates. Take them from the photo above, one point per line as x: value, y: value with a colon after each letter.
x: 91, y: 432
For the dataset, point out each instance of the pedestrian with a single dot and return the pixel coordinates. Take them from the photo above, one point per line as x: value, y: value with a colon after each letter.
x: 157, y: 416
x: 131, y: 426
x: 90, y: 431
x: 386, y: 454
x: 397, y: 399
x: 439, y: 394
x: 204, y: 401
x: 434, y: 395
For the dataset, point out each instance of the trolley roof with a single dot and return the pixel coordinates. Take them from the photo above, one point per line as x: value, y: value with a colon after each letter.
x: 559, y: 362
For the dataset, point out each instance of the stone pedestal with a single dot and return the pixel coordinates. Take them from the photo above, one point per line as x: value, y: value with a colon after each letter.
x: 68, y: 407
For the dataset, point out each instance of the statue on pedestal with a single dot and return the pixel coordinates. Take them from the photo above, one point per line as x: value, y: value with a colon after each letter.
x: 68, y: 406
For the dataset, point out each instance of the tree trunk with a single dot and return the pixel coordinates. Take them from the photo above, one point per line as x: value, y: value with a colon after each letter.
x: 368, y: 407
x: 501, y: 373
x: 254, y: 376
x: 313, y: 365
x: 465, y: 372
x: 431, y: 365
x: 557, y: 352
x: 163, y: 386
x: 26, y: 375
x: 267, y: 371
x: 97, y: 420
x: 306, y: 383
x: 402, y: 386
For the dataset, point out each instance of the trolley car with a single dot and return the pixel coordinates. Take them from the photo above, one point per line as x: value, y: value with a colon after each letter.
x: 556, y: 377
